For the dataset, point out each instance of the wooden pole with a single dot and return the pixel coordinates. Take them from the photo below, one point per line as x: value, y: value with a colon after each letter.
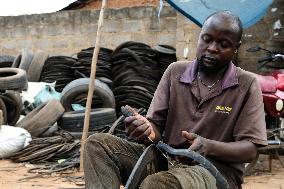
x: 1, y: 118
x: 91, y: 85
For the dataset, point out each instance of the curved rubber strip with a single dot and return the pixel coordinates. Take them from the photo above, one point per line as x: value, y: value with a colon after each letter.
x: 221, y: 181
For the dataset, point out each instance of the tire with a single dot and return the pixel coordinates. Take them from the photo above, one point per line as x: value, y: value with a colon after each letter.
x: 100, y: 119
x: 27, y: 57
x: 36, y: 66
x: 12, y: 79
x: 81, y: 86
x: 6, y: 61
x: 151, y: 157
x: 39, y: 120
x: 17, y: 61
x: 13, y: 103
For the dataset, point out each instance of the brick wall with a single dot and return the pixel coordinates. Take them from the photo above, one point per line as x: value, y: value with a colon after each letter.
x: 67, y: 32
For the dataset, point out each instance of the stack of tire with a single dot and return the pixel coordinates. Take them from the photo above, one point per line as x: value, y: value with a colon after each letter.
x: 102, y: 113
x: 135, y: 73
x: 103, y: 70
x: 23, y: 59
x: 31, y: 62
x: 12, y: 82
x: 166, y: 56
x: 27, y: 66
x: 59, y: 69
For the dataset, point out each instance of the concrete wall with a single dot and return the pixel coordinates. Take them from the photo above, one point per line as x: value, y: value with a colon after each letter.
x: 111, y: 4
x: 67, y: 32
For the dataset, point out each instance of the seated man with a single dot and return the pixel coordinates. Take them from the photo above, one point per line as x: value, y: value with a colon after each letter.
x: 207, y: 105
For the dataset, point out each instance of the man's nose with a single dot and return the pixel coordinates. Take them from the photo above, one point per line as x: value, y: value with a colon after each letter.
x: 213, y: 48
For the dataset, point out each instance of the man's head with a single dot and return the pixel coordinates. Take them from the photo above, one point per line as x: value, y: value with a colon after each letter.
x: 218, y: 41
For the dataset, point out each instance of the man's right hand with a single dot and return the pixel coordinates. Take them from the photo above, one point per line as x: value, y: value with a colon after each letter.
x: 138, y: 128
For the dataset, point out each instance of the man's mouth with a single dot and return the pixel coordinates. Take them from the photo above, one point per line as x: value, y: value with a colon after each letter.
x: 209, y: 59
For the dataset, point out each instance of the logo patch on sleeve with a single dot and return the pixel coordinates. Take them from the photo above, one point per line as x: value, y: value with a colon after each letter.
x: 223, y: 109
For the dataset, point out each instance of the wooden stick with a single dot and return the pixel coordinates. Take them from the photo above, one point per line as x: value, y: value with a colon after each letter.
x: 1, y: 118
x: 91, y: 85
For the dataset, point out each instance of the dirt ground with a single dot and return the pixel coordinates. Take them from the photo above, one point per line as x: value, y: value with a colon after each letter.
x: 19, y: 176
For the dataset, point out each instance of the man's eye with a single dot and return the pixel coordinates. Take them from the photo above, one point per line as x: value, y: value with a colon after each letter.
x: 206, y: 38
x: 225, y: 44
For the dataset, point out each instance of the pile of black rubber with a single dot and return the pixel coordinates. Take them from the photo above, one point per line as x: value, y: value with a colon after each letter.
x: 103, y: 70
x: 132, y: 71
x: 166, y: 56
x: 59, y: 69
x: 136, y: 72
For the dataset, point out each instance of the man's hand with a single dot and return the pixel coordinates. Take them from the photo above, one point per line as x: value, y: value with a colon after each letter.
x: 138, y: 127
x: 198, y: 143
x: 225, y: 151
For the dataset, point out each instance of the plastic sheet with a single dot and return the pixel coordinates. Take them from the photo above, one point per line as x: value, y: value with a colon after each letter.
x: 12, y: 139
x: 249, y: 11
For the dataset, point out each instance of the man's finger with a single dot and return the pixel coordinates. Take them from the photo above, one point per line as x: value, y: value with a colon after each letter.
x: 138, y: 122
x: 189, y: 136
x: 195, y: 147
x: 144, y: 135
x: 138, y: 131
x: 129, y: 120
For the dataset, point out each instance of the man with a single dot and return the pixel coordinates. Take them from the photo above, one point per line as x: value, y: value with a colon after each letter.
x: 208, y: 105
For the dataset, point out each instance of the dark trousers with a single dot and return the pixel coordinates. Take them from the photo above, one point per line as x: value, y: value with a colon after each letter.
x: 109, y: 160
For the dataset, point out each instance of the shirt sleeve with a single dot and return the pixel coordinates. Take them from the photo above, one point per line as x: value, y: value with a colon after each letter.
x: 251, y: 124
x: 158, y: 110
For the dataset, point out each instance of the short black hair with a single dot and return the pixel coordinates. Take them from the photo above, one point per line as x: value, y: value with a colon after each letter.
x: 235, y: 19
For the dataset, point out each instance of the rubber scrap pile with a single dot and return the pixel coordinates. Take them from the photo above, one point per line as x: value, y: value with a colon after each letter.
x: 48, y: 148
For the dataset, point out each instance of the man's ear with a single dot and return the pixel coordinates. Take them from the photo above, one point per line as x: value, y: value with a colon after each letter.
x: 239, y: 44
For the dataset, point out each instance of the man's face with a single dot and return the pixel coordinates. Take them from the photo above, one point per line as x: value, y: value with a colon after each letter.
x: 217, y: 44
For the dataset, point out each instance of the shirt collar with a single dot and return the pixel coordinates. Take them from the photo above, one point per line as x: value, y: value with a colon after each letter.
x: 229, y: 79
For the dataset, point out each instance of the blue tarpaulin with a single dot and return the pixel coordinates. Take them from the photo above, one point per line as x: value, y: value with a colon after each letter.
x: 249, y: 11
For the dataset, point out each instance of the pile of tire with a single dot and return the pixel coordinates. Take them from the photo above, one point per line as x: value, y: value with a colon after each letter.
x: 59, y: 69
x: 136, y: 74
x: 26, y: 66
x: 103, y: 70
x: 166, y: 56
x: 23, y: 59
x: 31, y: 62
x: 12, y: 82
x: 36, y: 66
x: 102, y: 113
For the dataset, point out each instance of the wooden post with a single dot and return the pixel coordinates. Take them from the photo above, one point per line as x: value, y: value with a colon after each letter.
x: 91, y: 85
x: 1, y: 118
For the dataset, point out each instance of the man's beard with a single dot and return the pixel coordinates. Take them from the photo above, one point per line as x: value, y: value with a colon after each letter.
x: 210, y: 69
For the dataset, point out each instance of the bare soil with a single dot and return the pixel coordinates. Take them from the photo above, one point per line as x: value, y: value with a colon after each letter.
x: 19, y: 176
